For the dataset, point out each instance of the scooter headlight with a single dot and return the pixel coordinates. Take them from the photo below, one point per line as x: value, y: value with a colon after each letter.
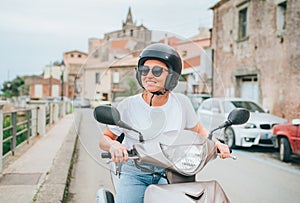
x: 185, y: 158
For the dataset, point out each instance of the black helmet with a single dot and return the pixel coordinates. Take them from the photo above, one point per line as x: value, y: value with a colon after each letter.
x: 167, y: 55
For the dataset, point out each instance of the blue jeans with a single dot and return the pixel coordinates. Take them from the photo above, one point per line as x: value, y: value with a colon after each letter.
x: 133, y: 182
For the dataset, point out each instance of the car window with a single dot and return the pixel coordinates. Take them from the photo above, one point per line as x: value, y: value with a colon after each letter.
x: 228, y: 106
x: 251, y: 106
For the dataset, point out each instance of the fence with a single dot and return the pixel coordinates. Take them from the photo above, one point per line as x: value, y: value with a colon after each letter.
x: 20, y: 126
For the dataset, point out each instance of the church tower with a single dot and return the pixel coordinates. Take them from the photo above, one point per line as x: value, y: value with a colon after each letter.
x: 129, y: 17
x: 128, y: 24
x: 130, y: 29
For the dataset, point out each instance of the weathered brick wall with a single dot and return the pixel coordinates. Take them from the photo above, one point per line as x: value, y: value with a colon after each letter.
x: 274, y: 58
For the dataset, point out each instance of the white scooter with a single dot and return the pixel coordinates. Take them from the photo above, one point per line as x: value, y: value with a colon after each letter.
x: 183, y: 154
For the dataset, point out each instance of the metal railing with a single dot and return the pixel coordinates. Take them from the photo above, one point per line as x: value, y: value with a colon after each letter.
x: 48, y: 113
x: 18, y: 130
x: 20, y: 126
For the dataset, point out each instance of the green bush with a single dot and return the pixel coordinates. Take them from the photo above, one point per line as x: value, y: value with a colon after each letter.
x: 6, y: 146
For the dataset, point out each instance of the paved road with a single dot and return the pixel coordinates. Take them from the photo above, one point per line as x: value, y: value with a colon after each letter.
x: 256, y: 176
x: 89, y: 172
x: 253, y: 178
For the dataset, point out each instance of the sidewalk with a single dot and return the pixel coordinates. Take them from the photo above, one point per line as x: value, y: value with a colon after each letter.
x: 40, y: 174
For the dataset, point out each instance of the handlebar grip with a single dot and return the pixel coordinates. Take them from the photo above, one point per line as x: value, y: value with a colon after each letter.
x: 105, y: 155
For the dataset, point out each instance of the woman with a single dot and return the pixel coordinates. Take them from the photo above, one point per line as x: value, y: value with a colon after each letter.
x: 159, y: 68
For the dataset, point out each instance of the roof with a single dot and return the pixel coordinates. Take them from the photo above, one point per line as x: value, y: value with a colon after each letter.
x: 220, y: 3
x: 203, y: 34
x: 68, y: 52
x: 126, y: 61
x: 172, y: 41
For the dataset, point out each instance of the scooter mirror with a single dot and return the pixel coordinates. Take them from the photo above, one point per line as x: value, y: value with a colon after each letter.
x: 111, y: 116
x: 238, y: 116
x: 107, y: 115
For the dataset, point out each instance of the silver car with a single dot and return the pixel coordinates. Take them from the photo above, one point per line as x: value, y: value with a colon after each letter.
x: 257, y: 131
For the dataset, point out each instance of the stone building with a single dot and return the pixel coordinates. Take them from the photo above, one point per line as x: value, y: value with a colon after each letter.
x: 256, y: 53
x: 106, y: 61
x: 73, y: 62
x: 197, y: 64
x: 130, y: 29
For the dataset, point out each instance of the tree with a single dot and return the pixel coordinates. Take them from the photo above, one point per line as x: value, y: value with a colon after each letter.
x: 14, y: 87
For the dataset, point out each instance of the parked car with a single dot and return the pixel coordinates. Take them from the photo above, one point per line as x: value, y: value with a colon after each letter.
x: 287, y: 139
x: 197, y: 99
x: 257, y: 131
x: 80, y: 102
x: 98, y: 102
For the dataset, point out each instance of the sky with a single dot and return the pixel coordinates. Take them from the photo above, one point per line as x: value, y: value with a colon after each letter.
x: 36, y: 33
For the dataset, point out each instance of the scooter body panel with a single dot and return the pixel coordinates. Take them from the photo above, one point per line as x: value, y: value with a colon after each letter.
x: 104, y: 196
x: 200, y: 192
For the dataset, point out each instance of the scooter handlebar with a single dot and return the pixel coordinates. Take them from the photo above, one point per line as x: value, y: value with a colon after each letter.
x: 107, y: 155
x: 230, y: 150
x: 231, y: 156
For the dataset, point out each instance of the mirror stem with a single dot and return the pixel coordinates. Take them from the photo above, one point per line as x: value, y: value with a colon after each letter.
x: 226, y: 124
x: 211, y: 133
x: 141, y: 138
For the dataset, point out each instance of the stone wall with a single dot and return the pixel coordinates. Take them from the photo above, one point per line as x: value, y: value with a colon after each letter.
x: 272, y: 55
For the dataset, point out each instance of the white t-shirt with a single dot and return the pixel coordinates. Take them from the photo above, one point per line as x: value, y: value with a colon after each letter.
x: 176, y: 114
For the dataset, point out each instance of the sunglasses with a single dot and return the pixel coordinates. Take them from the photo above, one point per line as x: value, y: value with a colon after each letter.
x: 156, y: 70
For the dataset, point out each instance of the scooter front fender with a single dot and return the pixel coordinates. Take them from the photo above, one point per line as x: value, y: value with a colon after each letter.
x: 200, y: 192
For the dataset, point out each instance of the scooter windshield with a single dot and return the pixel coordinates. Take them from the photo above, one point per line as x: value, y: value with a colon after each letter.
x: 184, y: 151
x: 185, y: 158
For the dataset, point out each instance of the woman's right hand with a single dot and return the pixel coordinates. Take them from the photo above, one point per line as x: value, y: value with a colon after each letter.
x: 118, y: 152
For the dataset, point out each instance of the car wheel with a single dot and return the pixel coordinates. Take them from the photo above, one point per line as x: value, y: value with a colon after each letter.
x: 229, y: 137
x: 285, y: 150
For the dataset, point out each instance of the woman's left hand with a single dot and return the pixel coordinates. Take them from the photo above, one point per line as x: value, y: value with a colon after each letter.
x: 224, y: 150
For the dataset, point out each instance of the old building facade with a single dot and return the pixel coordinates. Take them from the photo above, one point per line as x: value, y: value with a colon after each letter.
x: 256, y: 53
x: 73, y: 62
x: 40, y: 87
x: 130, y: 29
x: 197, y: 65
x: 109, y: 71
x: 112, y: 60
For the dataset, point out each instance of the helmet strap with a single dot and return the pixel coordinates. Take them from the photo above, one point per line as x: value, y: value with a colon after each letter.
x: 157, y: 93
x: 151, y: 100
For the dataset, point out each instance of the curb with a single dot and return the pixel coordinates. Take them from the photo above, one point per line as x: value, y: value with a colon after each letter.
x: 55, y: 186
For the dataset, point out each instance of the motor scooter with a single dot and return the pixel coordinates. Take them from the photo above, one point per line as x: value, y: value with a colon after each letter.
x: 182, y: 154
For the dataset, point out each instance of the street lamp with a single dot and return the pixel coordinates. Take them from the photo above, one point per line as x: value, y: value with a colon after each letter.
x: 8, y: 90
x: 62, y: 68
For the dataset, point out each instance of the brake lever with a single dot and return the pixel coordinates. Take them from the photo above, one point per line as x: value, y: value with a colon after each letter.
x: 233, y: 157
x: 230, y: 156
